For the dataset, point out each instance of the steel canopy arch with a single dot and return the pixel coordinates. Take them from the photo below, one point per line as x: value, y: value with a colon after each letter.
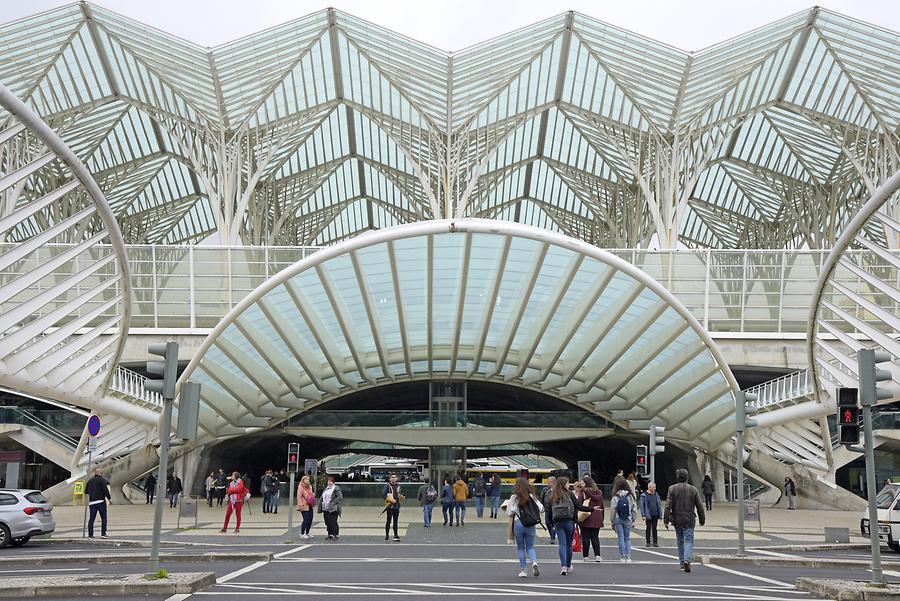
x: 662, y: 299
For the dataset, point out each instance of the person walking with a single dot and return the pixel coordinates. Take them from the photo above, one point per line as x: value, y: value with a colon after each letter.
x: 392, y: 499
x: 479, y: 492
x: 150, y: 487
x: 267, y: 488
x: 447, y: 501
x: 494, y: 495
x: 632, y: 483
x: 330, y: 505
x: 221, y: 485
x: 681, y: 503
x: 460, y: 494
x: 790, y: 491
x: 237, y: 494
x: 97, y: 491
x: 525, y: 511
x: 592, y: 496
x: 276, y: 492
x: 624, y: 512
x: 175, y: 490
x: 210, y: 487
x: 545, y: 501
x: 427, y: 495
x: 306, y: 501
x: 708, y: 487
x: 651, y: 511
x: 563, y: 509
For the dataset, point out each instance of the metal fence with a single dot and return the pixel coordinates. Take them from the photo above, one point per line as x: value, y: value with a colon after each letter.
x: 787, y: 388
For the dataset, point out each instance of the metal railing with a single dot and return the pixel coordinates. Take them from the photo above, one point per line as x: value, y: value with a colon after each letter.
x: 38, y: 420
x: 131, y: 384
x: 462, y: 419
x: 789, y: 387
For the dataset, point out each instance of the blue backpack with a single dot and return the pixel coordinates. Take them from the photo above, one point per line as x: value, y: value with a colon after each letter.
x: 623, y: 511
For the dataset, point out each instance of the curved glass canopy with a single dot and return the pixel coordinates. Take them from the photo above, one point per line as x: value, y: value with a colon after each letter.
x: 474, y: 299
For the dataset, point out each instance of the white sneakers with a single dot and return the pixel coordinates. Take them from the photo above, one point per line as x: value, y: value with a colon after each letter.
x: 523, y: 574
x: 536, y: 569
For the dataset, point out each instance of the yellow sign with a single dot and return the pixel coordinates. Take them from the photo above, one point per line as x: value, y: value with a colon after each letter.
x: 79, y: 487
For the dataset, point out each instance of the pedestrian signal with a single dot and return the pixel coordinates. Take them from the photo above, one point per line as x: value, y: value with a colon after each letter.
x: 293, y: 458
x: 643, y: 469
x: 848, y: 416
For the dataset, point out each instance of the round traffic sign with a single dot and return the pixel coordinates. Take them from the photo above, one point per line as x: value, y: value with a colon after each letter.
x: 94, y: 425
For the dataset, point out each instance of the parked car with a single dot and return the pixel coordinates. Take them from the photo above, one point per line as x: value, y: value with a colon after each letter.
x: 887, y: 501
x: 24, y: 513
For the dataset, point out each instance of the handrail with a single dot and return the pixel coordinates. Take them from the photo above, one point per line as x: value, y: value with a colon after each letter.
x: 131, y: 383
x: 33, y: 421
x: 789, y: 386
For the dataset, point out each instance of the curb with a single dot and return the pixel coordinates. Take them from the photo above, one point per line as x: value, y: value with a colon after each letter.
x: 43, y: 560
x: 124, y: 585
x: 847, y: 590
x: 114, y: 542
x: 785, y: 562
x: 818, y: 547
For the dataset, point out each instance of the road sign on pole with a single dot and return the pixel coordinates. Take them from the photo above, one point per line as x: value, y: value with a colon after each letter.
x: 584, y: 468
x: 94, y: 425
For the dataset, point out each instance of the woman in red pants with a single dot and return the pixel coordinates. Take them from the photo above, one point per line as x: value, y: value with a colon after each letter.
x: 236, y: 497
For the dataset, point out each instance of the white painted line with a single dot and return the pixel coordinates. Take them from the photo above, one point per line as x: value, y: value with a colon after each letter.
x: 772, y: 553
x: 890, y: 573
x: 241, y: 572
x: 179, y: 597
x: 26, y: 571
x: 723, y: 569
x: 294, y: 550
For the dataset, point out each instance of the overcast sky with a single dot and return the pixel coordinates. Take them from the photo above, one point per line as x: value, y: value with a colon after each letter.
x: 449, y: 25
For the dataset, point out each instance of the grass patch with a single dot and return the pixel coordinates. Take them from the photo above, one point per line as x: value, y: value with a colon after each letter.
x: 160, y: 574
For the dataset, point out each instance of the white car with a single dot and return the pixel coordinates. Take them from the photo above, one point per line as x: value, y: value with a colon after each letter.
x: 24, y: 513
x: 888, y: 503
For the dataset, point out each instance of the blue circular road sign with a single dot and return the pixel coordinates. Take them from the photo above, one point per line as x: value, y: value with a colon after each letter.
x: 94, y: 425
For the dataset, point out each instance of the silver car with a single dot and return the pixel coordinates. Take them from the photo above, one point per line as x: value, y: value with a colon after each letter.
x: 24, y: 513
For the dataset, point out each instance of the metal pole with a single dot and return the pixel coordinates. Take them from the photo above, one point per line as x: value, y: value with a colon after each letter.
x: 652, y: 466
x: 85, y: 500
x: 291, y: 504
x: 877, y: 576
x: 165, y: 433
x: 739, y: 435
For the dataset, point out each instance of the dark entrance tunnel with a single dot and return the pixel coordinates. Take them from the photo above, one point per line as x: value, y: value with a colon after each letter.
x: 253, y: 454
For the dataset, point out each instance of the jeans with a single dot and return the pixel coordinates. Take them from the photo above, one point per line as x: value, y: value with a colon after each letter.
x: 307, y: 521
x: 708, y: 501
x: 274, y: 504
x: 790, y: 499
x: 447, y: 510
x: 685, y: 540
x: 173, y: 499
x: 479, y: 506
x: 460, y: 509
x: 331, y: 522
x: 525, y: 542
x: 623, y: 534
x: 495, y: 506
x: 427, y: 508
x: 548, y: 522
x: 565, y: 536
x: 210, y: 492
x: 267, y: 502
x: 97, y: 508
x: 650, y: 531
x: 590, y: 536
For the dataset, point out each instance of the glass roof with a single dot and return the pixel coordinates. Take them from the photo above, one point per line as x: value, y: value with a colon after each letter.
x: 474, y: 301
x: 327, y: 126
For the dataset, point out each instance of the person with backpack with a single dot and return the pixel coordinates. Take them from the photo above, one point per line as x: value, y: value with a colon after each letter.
x: 494, y: 495
x: 563, y: 509
x: 306, y: 500
x: 447, y: 501
x: 237, y: 494
x: 525, y: 511
x: 460, y: 494
x: 681, y: 503
x: 651, y: 511
x: 624, y: 514
x: 708, y: 488
x: 479, y: 493
x: 592, y: 523
x: 545, y: 500
x: 427, y: 495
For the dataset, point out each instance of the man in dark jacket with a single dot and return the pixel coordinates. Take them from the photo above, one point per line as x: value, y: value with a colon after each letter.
x: 681, y: 503
x: 97, y: 490
x: 548, y: 515
x: 175, y: 490
x: 150, y: 487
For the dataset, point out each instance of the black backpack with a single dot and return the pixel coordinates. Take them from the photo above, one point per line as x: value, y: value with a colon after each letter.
x: 529, y: 514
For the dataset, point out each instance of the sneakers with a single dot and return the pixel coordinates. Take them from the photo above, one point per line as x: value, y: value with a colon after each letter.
x: 331, y: 537
x: 627, y: 560
x: 598, y: 559
x: 622, y: 558
x: 687, y: 566
x: 586, y: 559
x: 104, y: 536
x: 396, y: 539
x: 222, y: 531
x: 523, y: 574
x: 237, y: 530
x: 563, y: 572
x: 656, y: 545
x: 536, y: 569
x: 386, y: 539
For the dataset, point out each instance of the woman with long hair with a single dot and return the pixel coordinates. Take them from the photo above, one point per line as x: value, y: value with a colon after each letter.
x: 306, y: 500
x: 524, y: 510
x: 564, y: 506
x: 592, y: 496
x: 624, y: 512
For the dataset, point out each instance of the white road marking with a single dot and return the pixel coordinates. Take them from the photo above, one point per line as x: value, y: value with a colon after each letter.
x: 179, y: 597
x: 772, y: 553
x: 723, y: 569
x: 26, y: 571
x: 242, y: 571
x: 294, y: 550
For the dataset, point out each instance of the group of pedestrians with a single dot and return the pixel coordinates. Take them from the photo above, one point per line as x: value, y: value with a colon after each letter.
x: 454, y: 496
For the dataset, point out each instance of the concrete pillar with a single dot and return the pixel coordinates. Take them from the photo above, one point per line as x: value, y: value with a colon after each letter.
x: 717, y: 473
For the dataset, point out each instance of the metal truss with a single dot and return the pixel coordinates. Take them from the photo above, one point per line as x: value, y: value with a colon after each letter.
x: 327, y: 126
x: 473, y: 299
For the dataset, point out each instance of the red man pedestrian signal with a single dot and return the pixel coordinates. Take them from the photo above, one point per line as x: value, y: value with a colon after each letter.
x: 641, y: 461
x: 293, y: 458
x: 848, y: 416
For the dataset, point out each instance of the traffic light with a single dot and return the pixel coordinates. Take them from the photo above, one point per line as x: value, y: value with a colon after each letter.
x: 657, y: 439
x: 869, y: 376
x: 742, y: 410
x: 293, y: 458
x: 848, y: 416
x: 167, y: 368
x: 642, y: 468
